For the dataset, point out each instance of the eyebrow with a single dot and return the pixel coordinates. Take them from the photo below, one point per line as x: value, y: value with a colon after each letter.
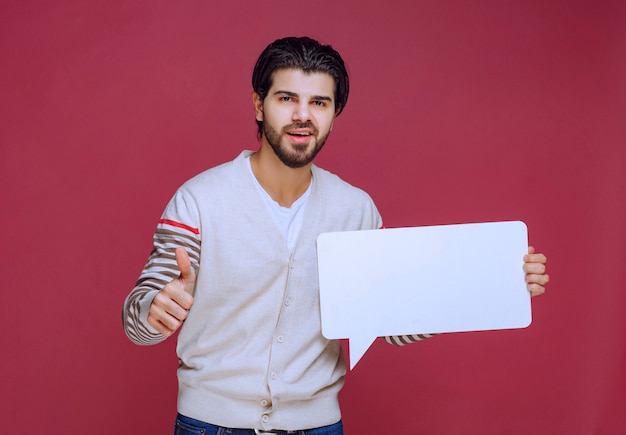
x: 314, y: 97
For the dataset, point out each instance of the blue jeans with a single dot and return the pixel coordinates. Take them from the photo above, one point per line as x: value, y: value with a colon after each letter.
x: 189, y: 426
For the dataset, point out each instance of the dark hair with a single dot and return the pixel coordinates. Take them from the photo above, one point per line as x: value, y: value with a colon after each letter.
x: 300, y: 53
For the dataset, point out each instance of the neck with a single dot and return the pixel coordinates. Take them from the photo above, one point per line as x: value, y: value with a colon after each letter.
x: 284, y: 184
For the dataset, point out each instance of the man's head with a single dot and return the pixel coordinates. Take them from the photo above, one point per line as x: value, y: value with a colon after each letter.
x: 304, y: 54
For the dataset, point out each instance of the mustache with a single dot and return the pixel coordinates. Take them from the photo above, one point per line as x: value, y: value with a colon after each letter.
x: 308, y: 125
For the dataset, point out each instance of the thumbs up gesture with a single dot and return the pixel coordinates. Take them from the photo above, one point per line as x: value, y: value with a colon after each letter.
x: 171, y: 305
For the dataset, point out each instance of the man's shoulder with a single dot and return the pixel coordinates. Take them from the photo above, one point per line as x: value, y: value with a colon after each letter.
x: 333, y: 184
x: 222, y: 174
x: 348, y: 207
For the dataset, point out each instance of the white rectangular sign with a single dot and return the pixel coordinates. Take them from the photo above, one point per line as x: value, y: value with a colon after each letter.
x: 435, y: 279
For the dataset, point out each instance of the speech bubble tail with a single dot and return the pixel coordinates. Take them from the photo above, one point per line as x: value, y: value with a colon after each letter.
x: 358, y: 347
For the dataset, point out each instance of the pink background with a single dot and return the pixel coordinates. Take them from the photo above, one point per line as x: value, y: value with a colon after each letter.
x: 460, y: 112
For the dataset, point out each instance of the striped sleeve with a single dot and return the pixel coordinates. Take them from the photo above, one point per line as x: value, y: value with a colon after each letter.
x: 161, y: 268
x: 401, y: 340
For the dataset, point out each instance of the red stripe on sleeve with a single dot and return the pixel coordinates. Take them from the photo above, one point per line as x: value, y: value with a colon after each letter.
x: 179, y: 225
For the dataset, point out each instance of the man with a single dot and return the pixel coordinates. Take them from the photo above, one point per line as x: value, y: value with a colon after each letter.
x: 234, y: 263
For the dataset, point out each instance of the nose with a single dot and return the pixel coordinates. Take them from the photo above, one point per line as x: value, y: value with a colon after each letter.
x: 301, y: 112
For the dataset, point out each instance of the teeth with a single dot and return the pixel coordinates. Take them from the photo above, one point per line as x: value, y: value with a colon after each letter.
x: 296, y: 133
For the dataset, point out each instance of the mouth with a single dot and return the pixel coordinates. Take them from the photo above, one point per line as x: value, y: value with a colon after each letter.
x: 300, y: 136
x: 300, y: 133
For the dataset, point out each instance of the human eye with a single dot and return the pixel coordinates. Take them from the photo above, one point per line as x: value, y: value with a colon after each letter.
x: 319, y: 103
x: 286, y: 97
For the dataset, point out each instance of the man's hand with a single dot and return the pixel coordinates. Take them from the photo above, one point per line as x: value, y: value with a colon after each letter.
x: 171, y: 305
x: 536, y: 276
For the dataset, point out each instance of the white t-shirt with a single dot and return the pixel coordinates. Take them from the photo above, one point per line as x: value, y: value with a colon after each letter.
x: 288, y: 219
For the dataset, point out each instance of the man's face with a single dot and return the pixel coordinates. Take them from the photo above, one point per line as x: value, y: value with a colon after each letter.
x: 297, y: 114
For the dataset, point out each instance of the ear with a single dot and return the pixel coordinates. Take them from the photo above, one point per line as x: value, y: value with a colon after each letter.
x: 258, y: 106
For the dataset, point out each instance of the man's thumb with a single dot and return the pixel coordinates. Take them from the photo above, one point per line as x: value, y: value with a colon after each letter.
x: 186, y: 271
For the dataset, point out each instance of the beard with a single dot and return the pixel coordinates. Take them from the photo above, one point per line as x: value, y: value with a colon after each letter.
x: 294, y: 156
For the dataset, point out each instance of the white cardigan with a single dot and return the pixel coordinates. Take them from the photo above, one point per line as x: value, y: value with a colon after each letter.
x: 251, y: 351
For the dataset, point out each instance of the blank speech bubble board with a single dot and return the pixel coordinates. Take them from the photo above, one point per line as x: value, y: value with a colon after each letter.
x: 402, y: 281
